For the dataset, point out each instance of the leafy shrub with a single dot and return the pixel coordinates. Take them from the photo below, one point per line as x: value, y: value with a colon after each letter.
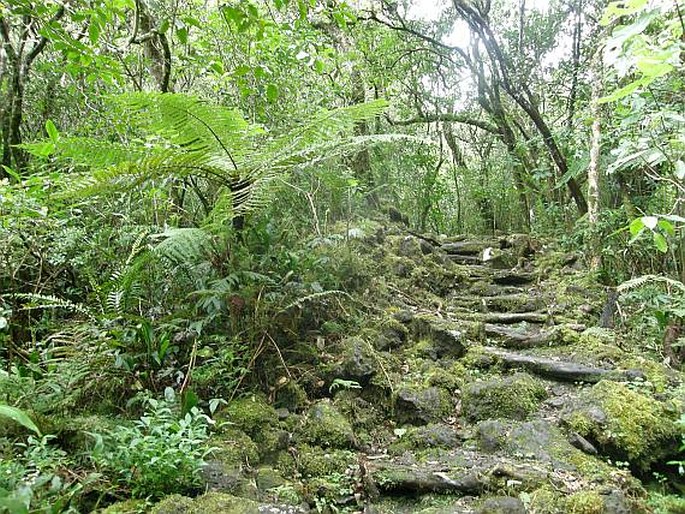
x: 161, y: 454
x: 34, y: 479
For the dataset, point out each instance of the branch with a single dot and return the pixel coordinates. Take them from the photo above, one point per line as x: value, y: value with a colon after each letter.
x: 408, y: 30
x: 40, y: 45
x: 456, y: 118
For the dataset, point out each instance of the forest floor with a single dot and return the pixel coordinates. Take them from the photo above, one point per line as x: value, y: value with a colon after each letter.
x: 482, y: 382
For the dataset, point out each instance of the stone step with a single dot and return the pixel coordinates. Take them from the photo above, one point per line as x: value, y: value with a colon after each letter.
x: 516, y: 302
x: 566, y: 371
x: 472, y: 248
x: 505, y: 318
x: 463, y: 472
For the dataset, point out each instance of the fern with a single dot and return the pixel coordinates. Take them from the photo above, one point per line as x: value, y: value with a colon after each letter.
x: 37, y: 301
x: 639, y: 282
x: 184, y: 245
x: 186, y: 136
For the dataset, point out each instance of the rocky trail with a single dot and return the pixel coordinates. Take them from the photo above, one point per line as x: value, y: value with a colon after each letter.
x: 485, y: 386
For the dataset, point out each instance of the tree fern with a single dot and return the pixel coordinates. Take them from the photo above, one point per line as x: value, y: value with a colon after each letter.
x: 186, y: 136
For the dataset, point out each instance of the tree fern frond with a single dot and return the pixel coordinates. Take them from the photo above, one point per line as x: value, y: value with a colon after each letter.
x: 184, y: 245
x: 638, y: 282
x: 194, y: 124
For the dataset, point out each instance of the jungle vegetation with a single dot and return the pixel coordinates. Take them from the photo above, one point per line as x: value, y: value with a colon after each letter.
x: 206, y: 207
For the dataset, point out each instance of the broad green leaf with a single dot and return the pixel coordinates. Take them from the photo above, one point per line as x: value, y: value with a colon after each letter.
x: 272, y: 93
x: 182, y: 35
x: 626, y: 90
x: 660, y: 242
x: 636, y: 227
x: 19, y: 416
x: 50, y: 128
x: 667, y: 227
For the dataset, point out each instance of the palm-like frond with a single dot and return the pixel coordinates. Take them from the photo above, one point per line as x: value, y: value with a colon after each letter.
x: 640, y: 281
x: 187, y: 136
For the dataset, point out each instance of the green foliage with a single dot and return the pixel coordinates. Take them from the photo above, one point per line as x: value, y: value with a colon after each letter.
x: 33, y: 479
x: 160, y: 454
x: 20, y: 417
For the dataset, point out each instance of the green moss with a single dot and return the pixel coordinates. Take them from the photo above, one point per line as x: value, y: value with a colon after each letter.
x: 174, y: 504
x: 655, y: 373
x: 513, y: 397
x: 126, y: 507
x: 585, y: 502
x: 418, y: 404
x: 429, y: 436
x: 638, y: 428
x: 327, y: 427
x: 546, y: 500
x: 234, y: 448
x: 251, y: 414
x: 220, y: 503
x: 313, y: 461
x: 291, y: 396
x: 452, y: 378
x: 666, y: 504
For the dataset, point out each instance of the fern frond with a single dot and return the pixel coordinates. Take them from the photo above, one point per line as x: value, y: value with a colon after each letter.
x: 184, y: 245
x: 638, y: 282
x: 40, y: 301
x: 312, y: 297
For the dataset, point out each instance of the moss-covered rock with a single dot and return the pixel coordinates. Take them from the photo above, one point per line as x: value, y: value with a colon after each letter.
x: 234, y: 447
x: 174, y: 504
x: 313, y: 461
x: 441, y: 338
x: 585, y: 502
x: 126, y: 507
x: 423, y: 437
x: 626, y: 424
x: 325, y: 426
x: 250, y: 414
x: 514, y: 397
x: 502, y: 505
x: 291, y: 396
x: 420, y: 405
x: 268, y: 478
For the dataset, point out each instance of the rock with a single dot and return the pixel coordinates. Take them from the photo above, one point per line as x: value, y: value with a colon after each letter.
x: 314, y: 461
x: 410, y: 247
x: 502, y: 505
x: 625, y: 424
x: 416, y: 405
x: 125, y: 507
x: 446, y: 338
x: 234, y: 448
x: 327, y: 427
x: 404, y: 316
x: 513, y: 397
x: 268, y: 478
x: 512, y: 278
x: 220, y: 503
x: 290, y: 396
x: 218, y: 476
x: 251, y: 414
x: 560, y: 370
x: 582, y: 444
x: 393, y: 332
x: 491, y: 435
x: 359, y: 363
x: 429, y: 436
